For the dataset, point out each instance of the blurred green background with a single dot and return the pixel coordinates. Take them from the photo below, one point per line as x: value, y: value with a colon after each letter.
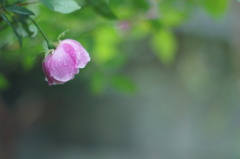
x: 162, y: 83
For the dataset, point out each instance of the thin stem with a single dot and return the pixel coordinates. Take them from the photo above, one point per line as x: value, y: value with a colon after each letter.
x: 50, y: 45
x: 62, y: 35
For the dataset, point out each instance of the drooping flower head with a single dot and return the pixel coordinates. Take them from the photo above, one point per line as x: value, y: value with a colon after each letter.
x: 61, y: 64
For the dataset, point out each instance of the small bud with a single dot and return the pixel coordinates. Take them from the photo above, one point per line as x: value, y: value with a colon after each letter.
x: 64, y: 62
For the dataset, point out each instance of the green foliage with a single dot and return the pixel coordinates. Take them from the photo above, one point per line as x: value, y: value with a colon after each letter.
x: 19, y: 10
x: 215, y: 8
x: 31, y: 30
x: 140, y: 4
x: 4, y: 17
x: 4, y: 84
x: 164, y: 45
x: 98, y: 83
x: 108, y: 29
x: 48, y: 4
x: 62, y: 6
x: 173, y: 17
x: 28, y: 63
x: 102, y: 7
x: 105, y: 48
x: 123, y: 84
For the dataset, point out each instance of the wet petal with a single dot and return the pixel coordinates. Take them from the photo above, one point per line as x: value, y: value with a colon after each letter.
x: 46, y: 69
x: 57, y: 82
x: 69, y: 49
x: 62, y: 66
x: 82, y: 56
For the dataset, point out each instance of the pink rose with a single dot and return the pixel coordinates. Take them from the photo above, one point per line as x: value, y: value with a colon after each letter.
x: 64, y: 62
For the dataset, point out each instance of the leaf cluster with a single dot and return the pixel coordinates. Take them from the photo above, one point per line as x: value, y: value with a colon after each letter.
x: 108, y: 29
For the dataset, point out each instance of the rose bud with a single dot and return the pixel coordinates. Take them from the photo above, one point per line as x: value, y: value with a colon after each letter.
x: 61, y: 64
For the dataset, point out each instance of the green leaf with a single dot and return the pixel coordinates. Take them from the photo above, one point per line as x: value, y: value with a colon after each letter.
x: 215, y: 7
x: 98, y: 83
x: 48, y: 3
x: 172, y: 17
x: 19, y: 10
x: 140, y: 4
x: 102, y: 7
x: 4, y: 84
x: 4, y: 17
x: 65, y: 6
x: 62, y: 6
x: 28, y: 63
x: 164, y: 46
x: 141, y: 30
x: 33, y: 29
x: 123, y: 84
x: 105, y: 48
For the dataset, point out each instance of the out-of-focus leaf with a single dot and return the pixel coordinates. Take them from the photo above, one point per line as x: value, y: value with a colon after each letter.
x: 116, y: 63
x: 4, y: 84
x: 19, y: 10
x: 28, y: 63
x: 123, y: 84
x: 105, y: 47
x: 62, y: 6
x: 27, y: 30
x: 141, y: 30
x: 216, y: 8
x: 65, y: 6
x: 172, y: 17
x: 173, y: 13
x: 48, y: 4
x: 26, y: 27
x: 102, y: 7
x: 98, y: 83
x: 34, y: 30
x: 140, y: 4
x: 14, y: 29
x: 122, y: 9
x: 164, y: 46
x: 23, y: 18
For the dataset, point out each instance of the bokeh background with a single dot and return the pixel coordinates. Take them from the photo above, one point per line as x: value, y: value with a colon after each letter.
x: 163, y: 83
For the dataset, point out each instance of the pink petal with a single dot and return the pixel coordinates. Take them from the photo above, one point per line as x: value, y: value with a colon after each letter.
x: 63, y: 63
x: 46, y: 69
x: 62, y: 66
x: 69, y: 49
x: 80, y: 54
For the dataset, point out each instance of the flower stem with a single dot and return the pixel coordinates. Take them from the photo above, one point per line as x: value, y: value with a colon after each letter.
x: 50, y: 44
